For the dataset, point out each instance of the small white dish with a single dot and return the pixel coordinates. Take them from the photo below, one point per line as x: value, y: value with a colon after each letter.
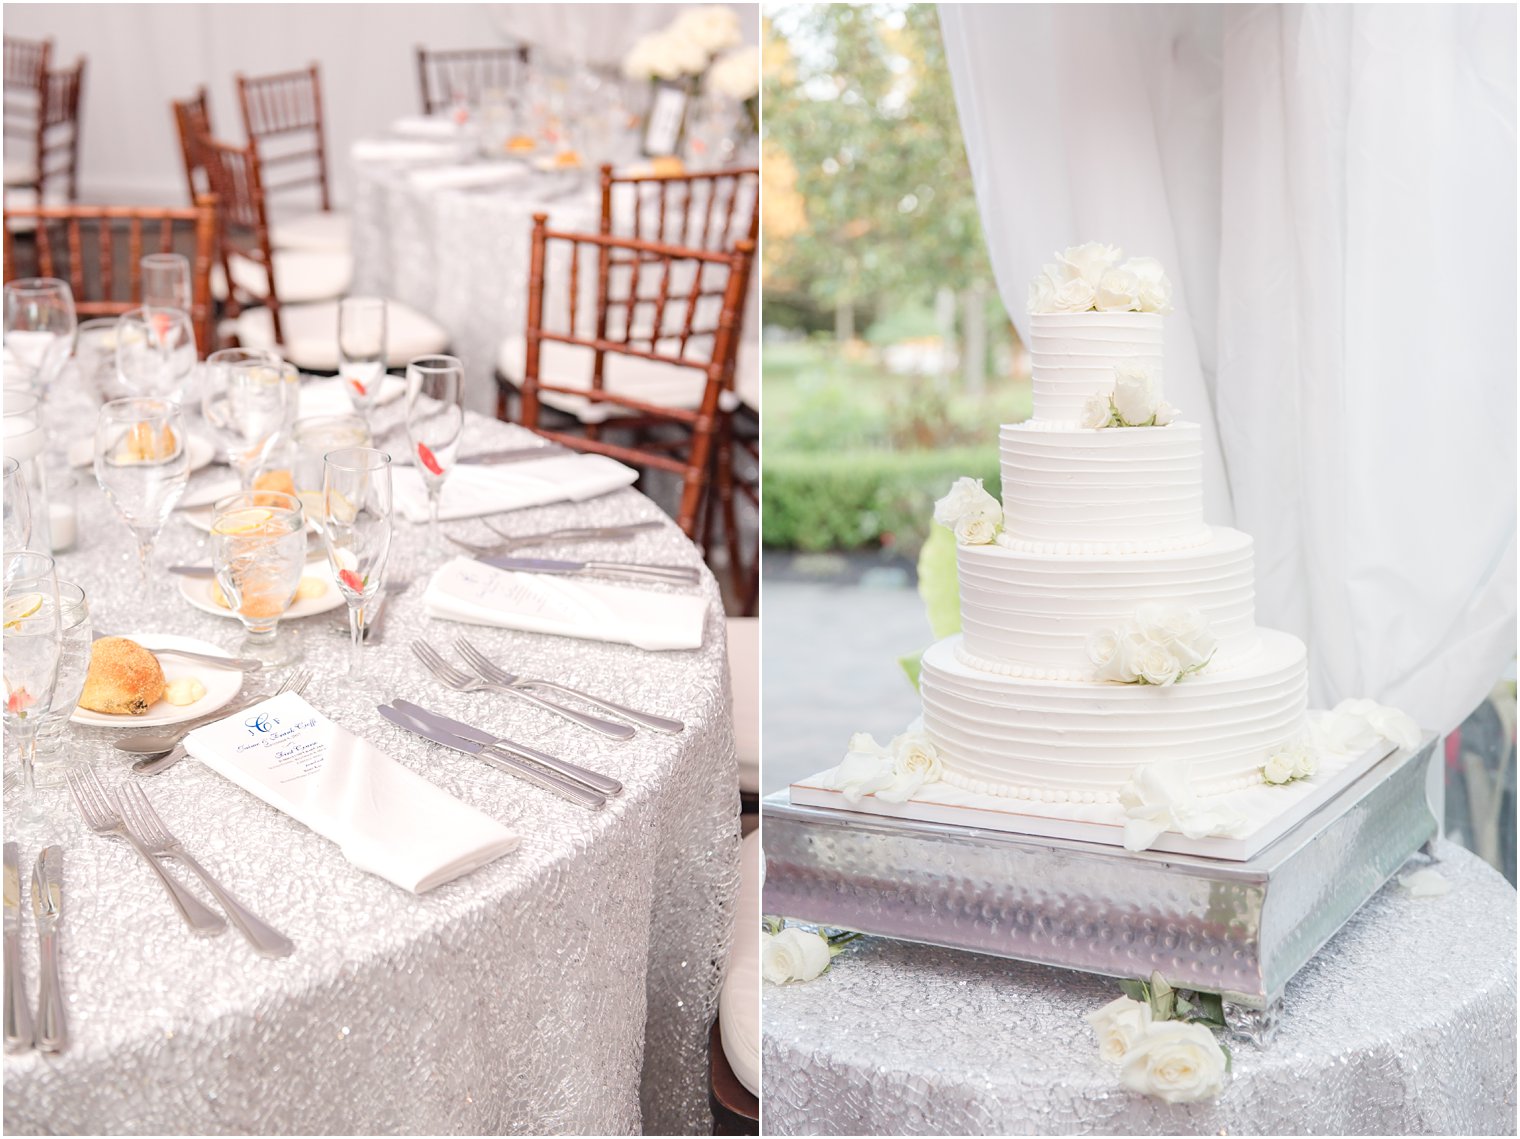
x: 197, y: 591
x: 222, y: 684
x: 82, y: 452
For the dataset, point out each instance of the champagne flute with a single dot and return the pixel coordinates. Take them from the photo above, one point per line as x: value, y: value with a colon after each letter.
x: 361, y: 349
x: 31, y: 650
x: 166, y: 281
x: 155, y: 351
x: 39, y: 328
x: 434, y: 423
x: 18, y: 517
x: 75, y: 645
x: 244, y: 401
x: 356, y: 529
x: 142, y: 464
x: 258, y: 550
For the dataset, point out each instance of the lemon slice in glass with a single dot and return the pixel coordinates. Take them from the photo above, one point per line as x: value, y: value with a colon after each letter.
x: 18, y: 609
x: 243, y: 521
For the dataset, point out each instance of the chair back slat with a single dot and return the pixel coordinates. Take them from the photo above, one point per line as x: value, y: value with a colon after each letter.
x: 82, y: 245
x: 192, y: 119
x: 26, y: 62
x: 468, y: 73
x: 283, y: 117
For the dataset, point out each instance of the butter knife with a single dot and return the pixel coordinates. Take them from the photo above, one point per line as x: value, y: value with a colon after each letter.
x: 676, y: 575
x: 47, y: 907
x: 18, y: 1012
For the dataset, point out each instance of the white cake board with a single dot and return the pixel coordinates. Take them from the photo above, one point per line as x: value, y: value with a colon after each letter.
x: 1274, y: 810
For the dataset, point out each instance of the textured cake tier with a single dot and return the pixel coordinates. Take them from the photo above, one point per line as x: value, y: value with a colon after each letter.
x: 1063, y: 740
x: 1072, y: 355
x: 1025, y: 614
x: 1119, y: 490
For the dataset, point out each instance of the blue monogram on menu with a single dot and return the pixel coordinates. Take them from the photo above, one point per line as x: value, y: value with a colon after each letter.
x: 263, y: 722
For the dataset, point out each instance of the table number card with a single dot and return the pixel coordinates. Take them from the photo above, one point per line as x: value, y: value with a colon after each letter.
x: 387, y: 819
x: 667, y: 115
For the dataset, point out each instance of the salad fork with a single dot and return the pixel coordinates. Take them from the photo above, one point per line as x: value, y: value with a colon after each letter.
x: 152, y: 764
x: 144, y: 821
x: 102, y: 818
x: 142, y: 744
x: 488, y: 670
x: 462, y: 681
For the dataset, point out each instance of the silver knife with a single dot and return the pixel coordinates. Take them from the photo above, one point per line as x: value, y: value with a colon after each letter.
x: 18, y: 1012
x: 516, y: 455
x: 686, y: 575
x: 593, y: 779
x: 47, y: 906
x: 538, y: 776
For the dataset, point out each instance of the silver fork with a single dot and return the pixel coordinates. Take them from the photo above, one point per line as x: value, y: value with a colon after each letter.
x: 572, y: 534
x: 145, y: 744
x: 144, y: 821
x: 151, y: 765
x: 462, y: 681
x: 102, y: 818
x: 488, y: 670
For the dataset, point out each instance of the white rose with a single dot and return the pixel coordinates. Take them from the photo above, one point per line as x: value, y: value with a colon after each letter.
x: 665, y: 55
x: 1103, y: 648
x: 1135, y: 397
x: 736, y: 75
x: 1096, y: 411
x: 1279, y: 769
x: 793, y: 955
x: 915, y: 762
x: 1089, y: 262
x: 1118, y: 291
x: 1042, y: 291
x: 1165, y: 413
x: 1120, y: 1025
x: 1155, y: 291
x: 713, y: 27
x: 1149, y: 798
x: 1175, y: 1061
x: 638, y: 64
x: 1075, y: 295
x: 1305, y: 763
x: 865, y: 769
x: 1183, y: 630
x: 967, y: 496
x: 977, y: 529
x: 1394, y: 726
x: 1157, y: 665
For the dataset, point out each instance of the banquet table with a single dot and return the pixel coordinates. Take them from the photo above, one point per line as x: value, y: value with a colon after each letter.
x: 1403, y: 1024
x: 566, y: 987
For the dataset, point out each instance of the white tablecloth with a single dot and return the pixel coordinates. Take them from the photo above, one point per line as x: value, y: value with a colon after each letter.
x: 565, y: 988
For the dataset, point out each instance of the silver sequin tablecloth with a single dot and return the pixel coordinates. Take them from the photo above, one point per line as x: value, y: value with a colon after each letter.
x: 566, y: 988
x: 1404, y: 1024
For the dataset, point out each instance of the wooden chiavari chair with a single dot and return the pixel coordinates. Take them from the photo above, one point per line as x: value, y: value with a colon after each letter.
x: 468, y: 74
x: 282, y: 115
x: 98, y: 250
x: 192, y: 120
x: 41, y: 117
x: 623, y: 344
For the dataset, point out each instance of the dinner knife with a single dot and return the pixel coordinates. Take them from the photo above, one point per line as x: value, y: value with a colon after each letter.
x: 686, y: 575
x: 538, y: 776
x: 47, y: 907
x: 515, y: 455
x: 593, y: 779
x: 18, y: 1013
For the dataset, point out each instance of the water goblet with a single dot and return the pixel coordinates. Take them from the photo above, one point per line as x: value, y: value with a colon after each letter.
x: 244, y: 402
x: 155, y: 351
x: 258, y: 551
x: 315, y: 436
x: 362, y: 349
x: 31, y: 650
x: 143, y: 465
x: 75, y: 645
x: 434, y: 424
x: 166, y: 281
x: 356, y: 529
x: 26, y: 442
x: 95, y: 360
x: 39, y: 328
x: 18, y: 517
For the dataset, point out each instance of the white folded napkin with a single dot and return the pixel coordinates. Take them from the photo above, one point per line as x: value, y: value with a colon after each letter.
x: 478, y: 594
x: 472, y: 490
x: 327, y: 397
x: 431, y: 126
x: 386, y: 819
x: 466, y: 177
x: 404, y: 150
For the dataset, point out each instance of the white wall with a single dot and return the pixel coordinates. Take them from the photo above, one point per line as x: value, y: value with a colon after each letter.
x: 142, y: 56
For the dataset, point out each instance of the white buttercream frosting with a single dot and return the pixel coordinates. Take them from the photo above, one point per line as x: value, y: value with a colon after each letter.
x: 1072, y: 355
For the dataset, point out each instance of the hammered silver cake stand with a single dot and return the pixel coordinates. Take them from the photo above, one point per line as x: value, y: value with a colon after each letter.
x: 1403, y: 1024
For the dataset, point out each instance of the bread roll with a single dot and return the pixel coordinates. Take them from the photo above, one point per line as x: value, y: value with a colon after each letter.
x: 124, y: 678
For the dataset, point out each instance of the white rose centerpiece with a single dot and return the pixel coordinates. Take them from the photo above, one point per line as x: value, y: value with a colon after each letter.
x: 1162, y: 1041
x: 971, y: 512
x: 687, y: 46
x: 1094, y: 277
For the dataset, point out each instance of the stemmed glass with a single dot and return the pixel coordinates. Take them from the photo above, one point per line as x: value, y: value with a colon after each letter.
x: 356, y: 528
x: 18, y: 517
x: 314, y: 436
x: 73, y: 664
x: 26, y: 442
x: 142, y: 464
x: 39, y: 328
x: 244, y: 401
x: 166, y: 281
x: 434, y: 423
x: 258, y: 550
x: 155, y: 351
x: 31, y: 649
x: 361, y: 349
x: 95, y: 359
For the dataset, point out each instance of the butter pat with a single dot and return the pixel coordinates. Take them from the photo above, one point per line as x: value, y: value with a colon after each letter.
x: 186, y: 690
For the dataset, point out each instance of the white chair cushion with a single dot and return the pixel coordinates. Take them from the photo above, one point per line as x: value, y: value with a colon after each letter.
x: 570, y: 365
x: 322, y: 231
x: 739, y: 999
x: 744, y: 677
x: 20, y: 172
x: 302, y: 275
x: 311, y: 334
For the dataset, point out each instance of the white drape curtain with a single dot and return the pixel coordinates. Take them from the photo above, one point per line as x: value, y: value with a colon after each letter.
x: 1333, y: 190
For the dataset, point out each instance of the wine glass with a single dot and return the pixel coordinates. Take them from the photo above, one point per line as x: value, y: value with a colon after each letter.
x: 75, y: 645
x: 166, y: 281
x: 26, y: 442
x: 18, y: 517
x: 142, y: 464
x: 155, y: 351
x: 31, y: 650
x: 315, y: 436
x: 258, y: 550
x: 95, y: 359
x: 434, y: 423
x: 244, y: 401
x: 356, y: 529
x: 39, y: 328
x: 361, y: 350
